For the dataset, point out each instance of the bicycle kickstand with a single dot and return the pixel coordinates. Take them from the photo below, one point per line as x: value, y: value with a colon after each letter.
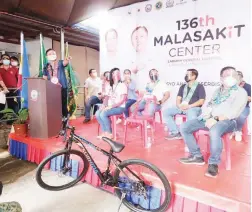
x: 122, y: 197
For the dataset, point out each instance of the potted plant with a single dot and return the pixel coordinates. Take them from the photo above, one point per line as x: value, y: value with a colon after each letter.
x: 20, y: 120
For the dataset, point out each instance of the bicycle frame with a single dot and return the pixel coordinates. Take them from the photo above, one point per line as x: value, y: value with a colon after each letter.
x: 80, y: 142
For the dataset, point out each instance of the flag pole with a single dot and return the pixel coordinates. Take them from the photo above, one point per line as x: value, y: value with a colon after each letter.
x: 41, y: 50
x: 21, y: 43
x: 62, y: 42
x: 67, y: 53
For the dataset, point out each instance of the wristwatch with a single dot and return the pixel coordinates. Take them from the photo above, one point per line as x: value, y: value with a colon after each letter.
x: 216, y: 118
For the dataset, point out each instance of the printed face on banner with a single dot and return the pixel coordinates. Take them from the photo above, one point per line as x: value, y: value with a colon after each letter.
x: 139, y: 38
x: 111, y: 40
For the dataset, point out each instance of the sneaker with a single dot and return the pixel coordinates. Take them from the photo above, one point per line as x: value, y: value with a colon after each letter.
x: 86, y: 121
x: 192, y: 160
x: 238, y: 136
x: 212, y: 170
x: 176, y: 136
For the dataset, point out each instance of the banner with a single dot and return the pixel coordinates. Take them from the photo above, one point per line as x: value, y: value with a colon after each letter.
x: 175, y: 35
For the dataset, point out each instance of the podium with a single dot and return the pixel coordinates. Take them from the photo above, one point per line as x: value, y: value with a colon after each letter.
x: 45, y: 108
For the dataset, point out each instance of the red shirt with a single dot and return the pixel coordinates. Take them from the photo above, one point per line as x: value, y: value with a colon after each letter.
x: 9, y: 77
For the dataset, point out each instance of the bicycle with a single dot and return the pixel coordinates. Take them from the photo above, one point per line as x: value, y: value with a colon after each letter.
x: 134, y: 194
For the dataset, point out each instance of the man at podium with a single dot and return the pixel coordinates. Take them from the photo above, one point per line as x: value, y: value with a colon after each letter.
x: 54, y: 71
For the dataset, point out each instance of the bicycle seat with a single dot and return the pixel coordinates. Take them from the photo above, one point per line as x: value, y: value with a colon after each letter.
x: 116, y: 147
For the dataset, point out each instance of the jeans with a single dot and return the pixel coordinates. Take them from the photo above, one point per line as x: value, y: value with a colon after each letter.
x: 153, y: 107
x: 127, y: 106
x: 91, y: 101
x: 215, y: 133
x: 11, y: 103
x: 169, y: 114
x: 104, y: 120
x: 242, y: 118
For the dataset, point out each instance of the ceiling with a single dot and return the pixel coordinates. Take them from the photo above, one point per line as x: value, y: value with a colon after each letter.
x: 49, y: 16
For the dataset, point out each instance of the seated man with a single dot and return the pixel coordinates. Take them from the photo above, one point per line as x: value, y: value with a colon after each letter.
x: 245, y: 113
x: 93, y: 88
x: 190, y: 98
x: 226, y: 105
x: 157, y: 89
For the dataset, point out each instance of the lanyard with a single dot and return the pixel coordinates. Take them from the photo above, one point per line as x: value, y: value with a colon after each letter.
x: 53, y: 70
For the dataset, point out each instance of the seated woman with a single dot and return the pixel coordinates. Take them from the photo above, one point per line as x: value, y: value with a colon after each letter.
x: 155, y: 88
x: 115, y: 105
x: 132, y: 96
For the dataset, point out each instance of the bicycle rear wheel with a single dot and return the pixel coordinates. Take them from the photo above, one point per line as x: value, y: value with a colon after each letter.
x: 69, y: 167
x: 144, y: 188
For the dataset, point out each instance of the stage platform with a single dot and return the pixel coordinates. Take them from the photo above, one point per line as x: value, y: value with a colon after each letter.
x: 192, y: 191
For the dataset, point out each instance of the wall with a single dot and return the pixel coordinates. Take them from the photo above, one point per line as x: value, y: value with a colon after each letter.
x: 9, y: 47
x: 83, y: 59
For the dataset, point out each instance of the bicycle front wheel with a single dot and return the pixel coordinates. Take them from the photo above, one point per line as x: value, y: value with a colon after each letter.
x: 142, y: 186
x: 62, y: 170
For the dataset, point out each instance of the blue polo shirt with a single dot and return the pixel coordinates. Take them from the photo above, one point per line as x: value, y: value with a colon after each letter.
x: 60, y: 73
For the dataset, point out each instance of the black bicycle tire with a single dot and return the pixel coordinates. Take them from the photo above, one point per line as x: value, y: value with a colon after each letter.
x: 159, y: 173
x: 68, y: 185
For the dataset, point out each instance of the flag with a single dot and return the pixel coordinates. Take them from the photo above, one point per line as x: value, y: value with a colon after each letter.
x: 72, y: 86
x: 42, y: 57
x: 23, y: 74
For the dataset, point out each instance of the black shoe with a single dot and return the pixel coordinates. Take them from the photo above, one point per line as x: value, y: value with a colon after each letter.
x: 212, y: 170
x: 86, y: 121
x: 176, y: 136
x: 192, y: 160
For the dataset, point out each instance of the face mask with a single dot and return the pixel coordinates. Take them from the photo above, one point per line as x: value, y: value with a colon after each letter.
x: 6, y: 62
x: 117, y: 76
x: 52, y: 57
x: 107, y: 77
x: 229, y: 81
x: 154, y: 78
x: 127, y: 77
x: 14, y: 63
x: 187, y: 78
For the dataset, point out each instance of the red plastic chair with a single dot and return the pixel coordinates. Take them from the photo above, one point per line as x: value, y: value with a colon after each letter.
x: 142, y: 120
x: 160, y: 115
x: 114, y: 129
x: 226, y: 141
x: 245, y: 131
